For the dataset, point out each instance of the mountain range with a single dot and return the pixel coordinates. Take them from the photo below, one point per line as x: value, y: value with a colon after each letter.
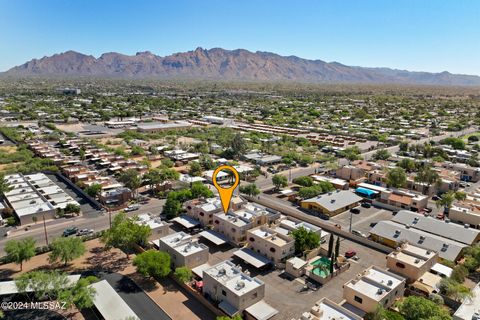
x: 228, y: 65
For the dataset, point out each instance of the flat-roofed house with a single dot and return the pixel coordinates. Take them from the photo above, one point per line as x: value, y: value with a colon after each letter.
x: 234, y: 224
x: 466, y: 211
x: 203, y: 209
x: 326, y: 309
x: 158, y: 227
x: 184, y: 250
x: 411, y: 261
x: 374, y: 287
x: 275, y: 246
x: 35, y: 196
x: 233, y: 289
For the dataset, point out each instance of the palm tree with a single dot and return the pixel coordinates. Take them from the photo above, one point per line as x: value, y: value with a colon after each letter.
x: 427, y: 176
x: 448, y: 198
x: 4, y: 185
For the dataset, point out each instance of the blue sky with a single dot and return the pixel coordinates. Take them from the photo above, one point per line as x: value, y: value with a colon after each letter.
x: 406, y: 34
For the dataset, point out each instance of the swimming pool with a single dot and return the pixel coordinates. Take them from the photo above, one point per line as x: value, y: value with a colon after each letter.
x: 322, y: 272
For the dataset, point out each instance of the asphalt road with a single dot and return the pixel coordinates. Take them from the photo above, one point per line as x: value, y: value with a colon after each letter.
x: 55, y: 227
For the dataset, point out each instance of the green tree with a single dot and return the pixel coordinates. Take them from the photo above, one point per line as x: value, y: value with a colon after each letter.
x: 72, y: 208
x: 448, y: 198
x: 331, y: 241
x: 396, y: 177
x: 19, y: 251
x: 131, y: 179
x: 198, y: 190
x: 125, y: 233
x: 455, y: 143
x: 183, y: 274
x: 427, y: 176
x: 337, y: 247
x: 279, y: 181
x: 238, y: 145
x: 4, y: 185
x: 195, y: 169
x: 66, y: 250
x: 53, y: 285
x: 381, y: 154
x: 167, y: 163
x: 305, y: 239
x: 235, y: 317
x: 93, y: 190
x: 351, y: 153
x: 250, y: 189
x: 408, y: 165
x: 459, y: 273
x: 454, y: 290
x: 171, y: 208
x: 304, y: 181
x: 153, y: 263
x: 414, y: 308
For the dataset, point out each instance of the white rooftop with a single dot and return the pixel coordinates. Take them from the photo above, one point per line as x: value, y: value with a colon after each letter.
x: 233, y: 278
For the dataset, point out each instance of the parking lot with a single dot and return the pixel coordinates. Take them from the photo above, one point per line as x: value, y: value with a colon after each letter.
x: 362, y: 221
x: 87, y: 209
x: 288, y: 295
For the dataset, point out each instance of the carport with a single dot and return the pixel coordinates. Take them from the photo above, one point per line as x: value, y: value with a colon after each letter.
x: 251, y: 257
x: 214, y: 237
x: 110, y: 305
x: 186, y: 221
x: 261, y: 310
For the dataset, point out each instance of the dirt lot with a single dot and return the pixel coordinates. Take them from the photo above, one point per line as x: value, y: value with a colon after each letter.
x: 165, y: 293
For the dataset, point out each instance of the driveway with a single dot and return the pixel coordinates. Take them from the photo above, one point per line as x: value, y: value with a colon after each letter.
x: 87, y: 209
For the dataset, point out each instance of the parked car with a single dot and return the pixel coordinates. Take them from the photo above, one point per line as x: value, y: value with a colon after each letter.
x: 366, y: 205
x: 359, y: 233
x: 132, y: 207
x: 84, y: 232
x: 350, y: 254
x: 69, y: 231
x: 435, y: 197
x: 355, y: 210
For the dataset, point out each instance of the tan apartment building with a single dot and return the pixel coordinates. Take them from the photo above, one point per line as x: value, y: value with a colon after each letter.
x: 184, y: 250
x: 326, y: 309
x: 411, y: 261
x: 233, y: 289
x: 234, y: 224
x: 466, y: 212
x: 275, y: 246
x: 374, y: 287
x: 204, y: 209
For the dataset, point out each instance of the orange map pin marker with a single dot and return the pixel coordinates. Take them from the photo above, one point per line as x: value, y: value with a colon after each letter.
x: 225, y: 193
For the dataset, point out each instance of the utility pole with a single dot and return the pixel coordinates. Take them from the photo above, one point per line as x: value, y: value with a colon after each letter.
x: 45, y: 229
x: 350, y: 228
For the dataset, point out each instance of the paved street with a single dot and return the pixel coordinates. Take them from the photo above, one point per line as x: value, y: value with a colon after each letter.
x: 55, y: 227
